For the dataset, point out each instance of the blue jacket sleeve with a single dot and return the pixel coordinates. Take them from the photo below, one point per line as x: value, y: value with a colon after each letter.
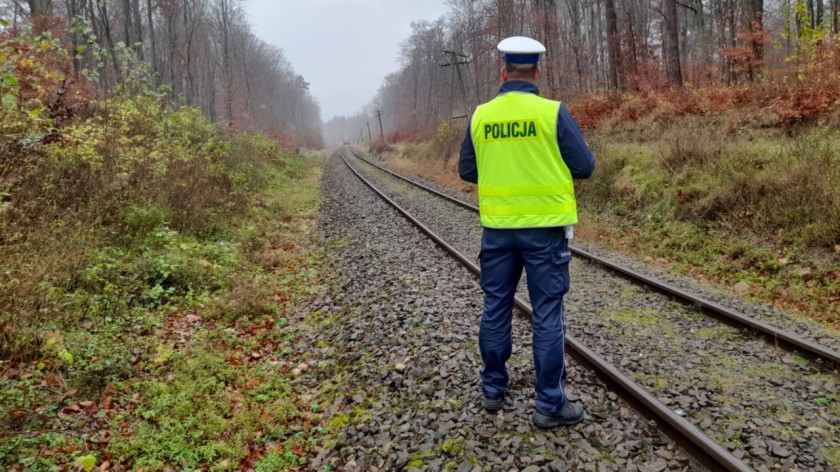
x: 573, y: 148
x: 467, y: 167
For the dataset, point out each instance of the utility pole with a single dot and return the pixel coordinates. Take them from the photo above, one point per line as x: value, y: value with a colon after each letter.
x: 456, y: 60
x: 369, y: 137
x: 379, y: 115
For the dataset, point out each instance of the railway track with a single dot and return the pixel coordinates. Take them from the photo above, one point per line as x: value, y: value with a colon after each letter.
x: 770, y: 333
x: 671, y: 420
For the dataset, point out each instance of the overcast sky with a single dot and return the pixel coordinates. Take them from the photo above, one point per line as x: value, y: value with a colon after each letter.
x: 343, y: 48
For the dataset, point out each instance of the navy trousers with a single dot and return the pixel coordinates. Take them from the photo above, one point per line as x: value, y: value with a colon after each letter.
x: 544, y: 254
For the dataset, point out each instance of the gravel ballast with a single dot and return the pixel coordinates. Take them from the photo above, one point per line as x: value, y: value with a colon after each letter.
x: 769, y: 407
x: 396, y: 362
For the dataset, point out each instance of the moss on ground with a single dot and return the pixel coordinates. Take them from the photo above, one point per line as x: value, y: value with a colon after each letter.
x: 632, y: 317
x: 453, y: 446
x: 832, y: 456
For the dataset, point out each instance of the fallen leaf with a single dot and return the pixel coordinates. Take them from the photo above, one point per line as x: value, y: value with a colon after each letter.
x: 18, y: 416
x: 86, y: 404
x: 71, y: 409
x: 53, y: 380
x: 741, y: 287
x: 107, y: 401
x: 105, y: 466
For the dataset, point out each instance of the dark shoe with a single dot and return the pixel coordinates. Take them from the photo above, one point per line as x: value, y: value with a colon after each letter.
x: 493, y: 405
x: 570, y: 414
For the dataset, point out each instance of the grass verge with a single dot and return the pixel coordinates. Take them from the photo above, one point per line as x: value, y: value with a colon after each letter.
x: 195, y: 372
x: 751, y: 209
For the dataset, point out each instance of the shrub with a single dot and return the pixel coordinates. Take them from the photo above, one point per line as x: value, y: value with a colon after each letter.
x: 803, y: 93
x: 692, y: 143
x: 752, y: 180
x: 378, y: 146
x: 117, y: 206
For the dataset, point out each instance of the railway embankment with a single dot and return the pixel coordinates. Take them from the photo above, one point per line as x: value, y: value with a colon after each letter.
x: 396, y: 362
x: 719, y: 378
x: 750, y: 208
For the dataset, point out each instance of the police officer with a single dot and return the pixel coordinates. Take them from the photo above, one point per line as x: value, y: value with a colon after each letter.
x: 524, y: 151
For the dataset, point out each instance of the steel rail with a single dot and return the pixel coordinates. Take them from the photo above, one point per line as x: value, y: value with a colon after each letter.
x: 702, y: 448
x: 770, y: 333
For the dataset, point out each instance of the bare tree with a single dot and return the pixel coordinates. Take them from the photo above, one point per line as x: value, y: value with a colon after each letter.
x: 754, y: 25
x: 671, y: 42
x: 613, y: 45
x: 204, y: 51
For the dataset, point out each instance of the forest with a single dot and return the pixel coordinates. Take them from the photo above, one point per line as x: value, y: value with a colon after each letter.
x: 712, y: 48
x: 714, y: 124
x: 203, y: 51
x: 154, y: 201
x: 166, y: 302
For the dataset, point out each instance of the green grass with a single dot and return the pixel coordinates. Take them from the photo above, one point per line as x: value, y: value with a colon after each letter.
x: 632, y: 317
x: 453, y: 446
x: 756, y: 206
x: 832, y: 456
x: 173, y: 391
x: 192, y: 417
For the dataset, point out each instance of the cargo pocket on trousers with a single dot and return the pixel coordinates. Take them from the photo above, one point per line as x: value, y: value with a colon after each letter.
x: 560, y: 271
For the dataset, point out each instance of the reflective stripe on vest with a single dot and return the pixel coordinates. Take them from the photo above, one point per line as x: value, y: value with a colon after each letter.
x: 522, y: 179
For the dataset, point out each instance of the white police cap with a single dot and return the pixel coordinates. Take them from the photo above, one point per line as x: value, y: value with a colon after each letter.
x: 521, y: 50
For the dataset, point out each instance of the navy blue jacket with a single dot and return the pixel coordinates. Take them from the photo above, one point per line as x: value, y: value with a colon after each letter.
x: 573, y: 148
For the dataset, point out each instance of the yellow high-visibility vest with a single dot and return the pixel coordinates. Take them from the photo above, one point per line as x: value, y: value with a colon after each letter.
x: 522, y: 179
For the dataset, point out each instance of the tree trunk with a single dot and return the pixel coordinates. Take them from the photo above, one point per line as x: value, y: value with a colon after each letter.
x: 549, y: 24
x: 671, y: 42
x: 106, y: 28
x: 613, y: 46
x: 754, y: 19
x: 149, y: 19
x: 226, y: 62
x: 72, y: 15
x: 128, y: 29
x: 630, y: 71
x: 835, y: 16
x: 137, y: 22
x: 797, y: 20
x: 40, y: 7
x: 189, y: 31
